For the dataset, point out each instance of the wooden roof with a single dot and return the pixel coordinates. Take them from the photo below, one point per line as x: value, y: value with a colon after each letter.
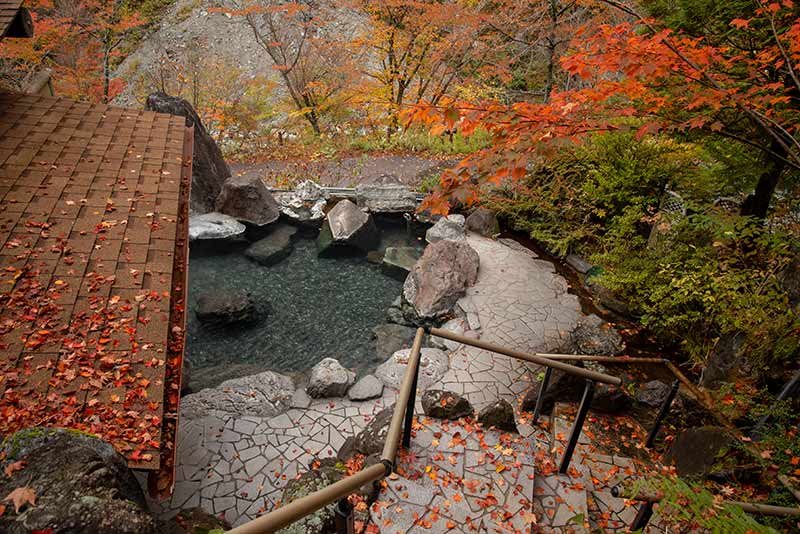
x: 93, y: 214
x: 9, y: 10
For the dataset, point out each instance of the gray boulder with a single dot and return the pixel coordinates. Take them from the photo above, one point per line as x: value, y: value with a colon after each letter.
x: 274, y: 247
x: 653, y: 393
x: 433, y: 364
x: 449, y: 228
x: 695, y: 451
x: 500, y: 415
x: 214, y: 227
x: 578, y: 263
x: 563, y: 387
x: 398, y: 261
x: 305, y: 205
x: 442, y: 404
x: 329, y: 379
x: 483, y: 221
x: 593, y: 336
x: 261, y: 395
x: 224, y: 308
x: 372, y: 438
x: 80, y: 484
x: 386, y: 198
x: 726, y: 362
x: 209, y: 170
x: 323, y: 521
x: 368, y: 387
x: 441, y: 277
x: 347, y: 226
x: 390, y: 337
x: 247, y: 199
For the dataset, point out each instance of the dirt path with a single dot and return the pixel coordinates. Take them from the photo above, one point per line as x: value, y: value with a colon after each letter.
x: 346, y: 172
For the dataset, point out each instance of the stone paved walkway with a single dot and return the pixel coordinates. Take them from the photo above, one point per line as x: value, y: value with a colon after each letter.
x: 237, y: 466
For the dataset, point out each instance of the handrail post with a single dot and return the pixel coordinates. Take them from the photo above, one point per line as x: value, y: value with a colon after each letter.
x: 343, y: 515
x: 540, y: 398
x: 577, y: 426
x: 412, y: 400
x: 642, y: 516
x: 662, y: 413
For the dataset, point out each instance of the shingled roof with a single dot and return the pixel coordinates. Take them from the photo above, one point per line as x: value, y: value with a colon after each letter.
x: 15, y: 21
x: 93, y: 214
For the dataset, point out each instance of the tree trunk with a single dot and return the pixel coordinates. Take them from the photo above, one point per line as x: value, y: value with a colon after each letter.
x: 757, y: 203
x: 106, y: 75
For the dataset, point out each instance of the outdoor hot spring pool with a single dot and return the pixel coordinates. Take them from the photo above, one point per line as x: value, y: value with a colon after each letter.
x: 318, y: 307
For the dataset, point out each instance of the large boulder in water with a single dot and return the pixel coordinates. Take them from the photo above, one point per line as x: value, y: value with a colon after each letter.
x: 398, y: 261
x: 209, y: 170
x: 80, y: 484
x: 347, y: 226
x: 305, y: 205
x: 223, y: 308
x: 274, y: 247
x: 441, y: 277
x: 247, y: 199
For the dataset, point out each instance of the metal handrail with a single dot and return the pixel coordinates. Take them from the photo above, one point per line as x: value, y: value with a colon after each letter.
x: 295, y: 510
x: 536, y: 358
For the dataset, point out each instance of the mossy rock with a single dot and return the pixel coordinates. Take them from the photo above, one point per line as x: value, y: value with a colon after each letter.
x: 322, y: 521
x: 81, y: 485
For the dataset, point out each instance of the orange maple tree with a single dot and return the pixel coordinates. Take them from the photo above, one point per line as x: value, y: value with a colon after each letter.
x: 79, y: 40
x: 640, y: 73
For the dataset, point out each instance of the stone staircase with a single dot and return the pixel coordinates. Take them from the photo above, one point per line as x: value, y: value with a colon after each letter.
x: 459, y: 477
x: 581, y: 500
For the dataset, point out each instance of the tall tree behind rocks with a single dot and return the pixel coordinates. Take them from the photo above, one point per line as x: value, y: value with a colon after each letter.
x: 209, y: 169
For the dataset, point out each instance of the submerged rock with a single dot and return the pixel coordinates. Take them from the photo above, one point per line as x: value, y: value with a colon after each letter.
x: 483, y: 221
x: 274, y: 247
x: 209, y: 170
x: 499, y: 414
x: 248, y: 200
x: 226, y: 307
x: 214, y: 226
x: 329, y: 379
x: 367, y: 388
x: 386, y: 198
x: 398, y: 261
x: 441, y: 277
x: 445, y: 405
x: 389, y: 338
x: 347, y: 226
x: 433, y: 364
x: 450, y: 228
x: 261, y: 395
x: 80, y: 484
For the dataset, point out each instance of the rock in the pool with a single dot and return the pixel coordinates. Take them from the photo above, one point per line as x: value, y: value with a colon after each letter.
x: 347, y: 226
x: 248, y: 199
x: 305, y: 205
x: 366, y: 388
x: 398, y: 261
x: 441, y: 277
x: 214, y: 226
x: 449, y: 228
x: 433, y: 364
x: 274, y: 247
x: 391, y: 337
x: 445, y: 405
x: 226, y: 307
x: 329, y: 379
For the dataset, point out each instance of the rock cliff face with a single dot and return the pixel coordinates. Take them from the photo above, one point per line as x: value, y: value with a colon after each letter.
x: 209, y: 169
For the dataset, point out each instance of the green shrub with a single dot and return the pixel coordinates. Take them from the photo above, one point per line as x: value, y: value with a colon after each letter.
x: 415, y: 140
